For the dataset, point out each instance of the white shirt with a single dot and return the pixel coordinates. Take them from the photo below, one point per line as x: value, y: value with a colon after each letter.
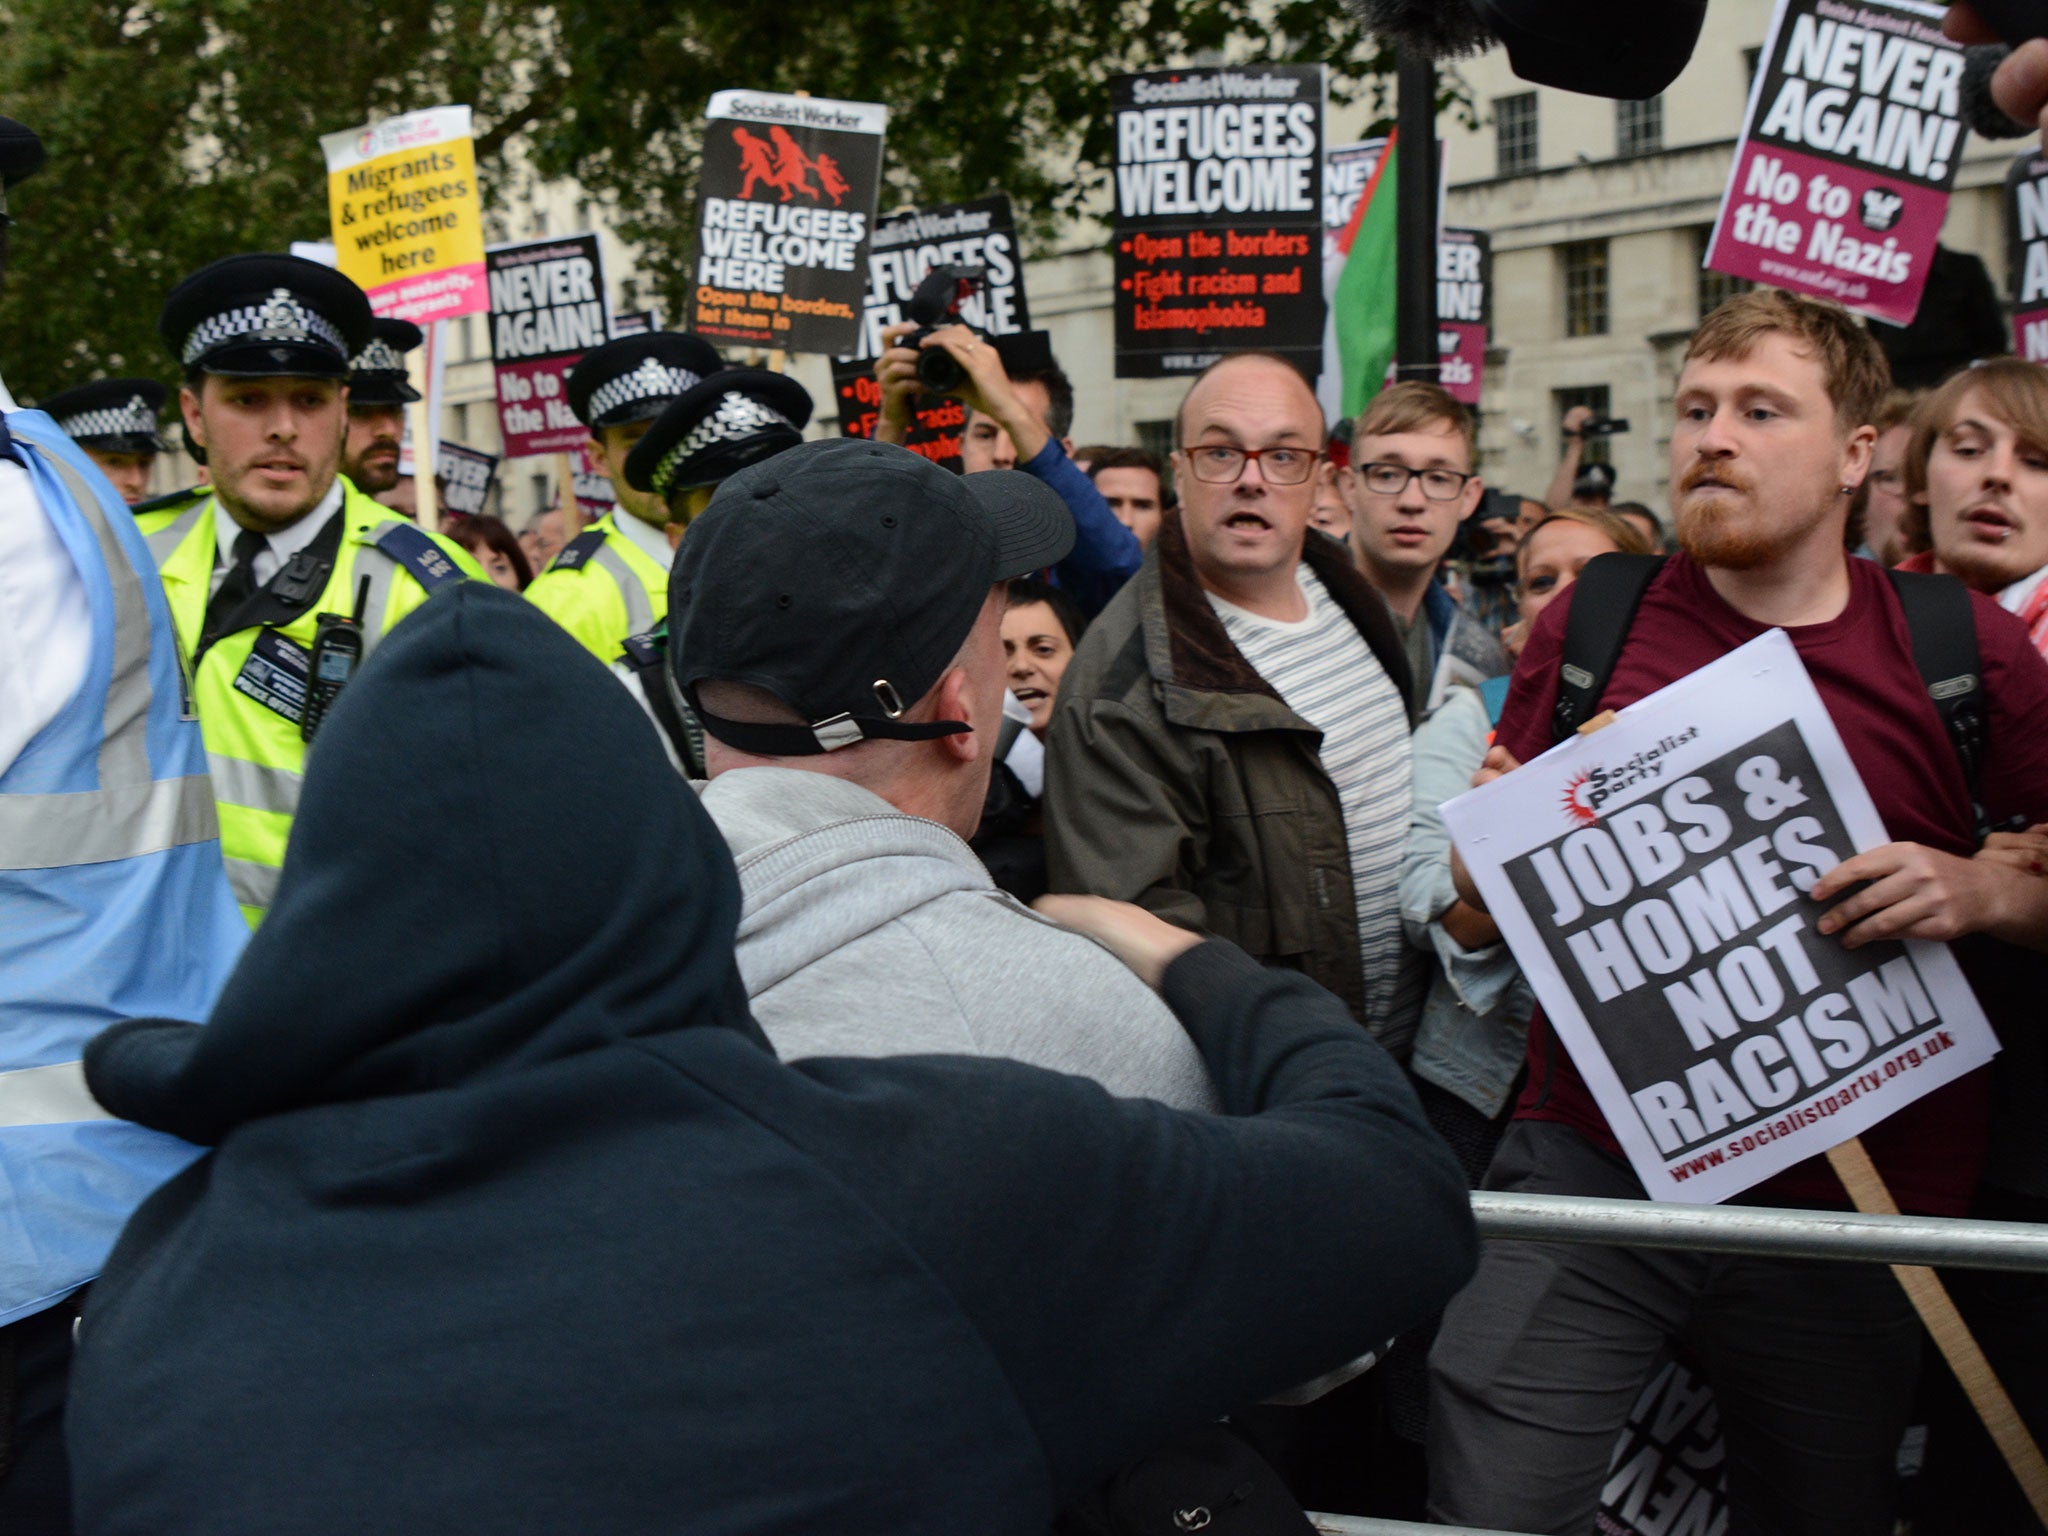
x: 2014, y: 598
x: 280, y: 546
x: 1329, y: 676
x: 45, y: 621
x: 645, y: 537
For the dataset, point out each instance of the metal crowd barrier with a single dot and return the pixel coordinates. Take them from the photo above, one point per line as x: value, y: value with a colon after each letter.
x: 1932, y: 1240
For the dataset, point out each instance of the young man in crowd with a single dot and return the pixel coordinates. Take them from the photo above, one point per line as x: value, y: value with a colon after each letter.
x: 1133, y: 482
x: 611, y: 580
x: 848, y: 801
x: 378, y: 393
x: 1230, y: 746
x: 1020, y: 408
x: 1410, y: 485
x: 1812, y: 1364
x: 256, y: 561
x: 114, y: 421
x: 1879, y: 516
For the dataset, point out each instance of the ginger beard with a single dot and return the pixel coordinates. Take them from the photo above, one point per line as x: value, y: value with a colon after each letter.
x: 1720, y: 521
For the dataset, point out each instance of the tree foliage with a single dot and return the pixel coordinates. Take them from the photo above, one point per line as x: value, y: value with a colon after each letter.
x: 184, y: 130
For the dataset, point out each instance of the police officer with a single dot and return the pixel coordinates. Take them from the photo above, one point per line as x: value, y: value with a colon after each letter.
x: 737, y: 417
x: 115, y: 422
x: 378, y: 393
x: 611, y: 580
x: 280, y: 573
x: 112, y: 898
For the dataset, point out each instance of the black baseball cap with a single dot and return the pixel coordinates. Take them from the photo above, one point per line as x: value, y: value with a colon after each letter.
x: 842, y: 576
x: 265, y: 316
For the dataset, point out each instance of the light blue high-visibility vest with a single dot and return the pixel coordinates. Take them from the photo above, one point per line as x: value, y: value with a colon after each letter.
x: 113, y: 901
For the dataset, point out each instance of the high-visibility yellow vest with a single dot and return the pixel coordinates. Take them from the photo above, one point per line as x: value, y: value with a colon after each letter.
x: 247, y: 685
x: 603, y: 587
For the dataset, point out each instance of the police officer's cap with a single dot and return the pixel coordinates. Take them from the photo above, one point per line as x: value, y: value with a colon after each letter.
x: 266, y: 317
x: 112, y: 415
x: 736, y: 417
x: 377, y: 373
x: 635, y: 377
x: 21, y: 156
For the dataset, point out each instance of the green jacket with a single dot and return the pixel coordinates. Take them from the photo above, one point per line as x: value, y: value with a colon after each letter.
x: 1176, y: 776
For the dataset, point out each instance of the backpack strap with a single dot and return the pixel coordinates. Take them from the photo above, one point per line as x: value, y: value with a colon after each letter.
x: 646, y: 656
x: 1604, y: 602
x: 1944, y: 633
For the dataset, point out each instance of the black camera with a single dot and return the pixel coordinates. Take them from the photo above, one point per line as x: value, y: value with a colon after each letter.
x: 937, y: 304
x: 1604, y: 426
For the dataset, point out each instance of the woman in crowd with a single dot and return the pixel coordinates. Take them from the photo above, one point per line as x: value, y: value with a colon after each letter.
x: 496, y: 549
x: 1469, y: 1046
x: 1041, y: 627
x: 1976, y: 473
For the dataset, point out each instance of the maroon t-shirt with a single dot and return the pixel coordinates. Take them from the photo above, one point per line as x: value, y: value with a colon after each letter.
x: 1862, y: 662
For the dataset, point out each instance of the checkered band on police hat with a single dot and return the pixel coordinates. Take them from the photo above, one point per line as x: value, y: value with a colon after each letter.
x: 378, y: 357
x: 652, y: 380
x: 281, y: 317
x: 735, y: 417
x: 133, y: 419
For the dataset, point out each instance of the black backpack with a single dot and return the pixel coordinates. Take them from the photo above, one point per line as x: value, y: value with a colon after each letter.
x: 1938, y: 617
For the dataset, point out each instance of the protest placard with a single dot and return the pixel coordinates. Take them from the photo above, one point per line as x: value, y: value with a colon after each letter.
x: 1464, y: 309
x: 2026, y: 246
x: 547, y: 310
x: 1666, y: 1474
x: 408, y: 226
x: 1219, y: 216
x: 595, y: 495
x: 785, y: 209
x: 1848, y: 150
x: 1652, y: 879
x: 906, y: 246
x: 466, y: 474
x: 634, y: 322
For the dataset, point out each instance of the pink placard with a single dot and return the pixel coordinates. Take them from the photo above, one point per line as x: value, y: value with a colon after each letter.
x: 1829, y: 229
x: 533, y: 408
x: 438, y: 296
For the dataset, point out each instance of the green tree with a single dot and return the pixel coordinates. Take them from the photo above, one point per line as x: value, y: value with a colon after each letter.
x: 184, y: 130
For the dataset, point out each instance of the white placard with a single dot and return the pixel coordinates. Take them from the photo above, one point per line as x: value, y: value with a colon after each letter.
x: 1651, y: 880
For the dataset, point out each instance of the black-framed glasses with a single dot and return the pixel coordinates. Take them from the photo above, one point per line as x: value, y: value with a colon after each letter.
x: 1392, y: 480
x: 1221, y: 464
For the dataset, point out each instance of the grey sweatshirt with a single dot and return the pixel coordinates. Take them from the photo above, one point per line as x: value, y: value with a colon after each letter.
x: 866, y: 932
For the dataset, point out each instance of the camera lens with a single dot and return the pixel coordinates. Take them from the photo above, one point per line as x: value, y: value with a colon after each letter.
x: 939, y: 371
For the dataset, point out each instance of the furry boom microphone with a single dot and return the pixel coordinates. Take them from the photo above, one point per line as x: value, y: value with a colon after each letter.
x: 1628, y: 49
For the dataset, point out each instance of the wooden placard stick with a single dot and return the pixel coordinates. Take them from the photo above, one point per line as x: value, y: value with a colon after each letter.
x: 1930, y: 1298
x: 565, y: 492
x: 426, y: 509
x: 1938, y: 1314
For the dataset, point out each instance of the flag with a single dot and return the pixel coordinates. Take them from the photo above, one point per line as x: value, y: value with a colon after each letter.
x: 1364, y: 301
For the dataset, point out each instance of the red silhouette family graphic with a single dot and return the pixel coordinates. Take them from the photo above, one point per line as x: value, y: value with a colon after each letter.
x: 779, y: 162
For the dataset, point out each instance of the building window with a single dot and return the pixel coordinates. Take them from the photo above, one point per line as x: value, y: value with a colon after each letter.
x: 1155, y: 437
x: 1715, y: 288
x: 1639, y: 127
x: 1585, y: 287
x: 1596, y: 450
x: 1752, y: 60
x: 1514, y: 133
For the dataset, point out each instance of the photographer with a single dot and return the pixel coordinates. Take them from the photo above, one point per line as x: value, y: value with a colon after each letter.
x: 1565, y: 491
x: 1020, y: 411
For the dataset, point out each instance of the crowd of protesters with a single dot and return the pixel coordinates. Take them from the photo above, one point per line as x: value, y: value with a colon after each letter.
x: 998, y: 999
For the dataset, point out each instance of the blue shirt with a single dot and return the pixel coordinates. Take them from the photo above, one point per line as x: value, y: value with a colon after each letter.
x: 1106, y: 554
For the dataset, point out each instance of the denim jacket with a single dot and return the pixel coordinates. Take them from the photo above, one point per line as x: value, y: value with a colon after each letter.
x: 1475, y: 1021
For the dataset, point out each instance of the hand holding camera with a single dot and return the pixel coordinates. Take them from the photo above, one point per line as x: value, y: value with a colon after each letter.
x: 935, y: 351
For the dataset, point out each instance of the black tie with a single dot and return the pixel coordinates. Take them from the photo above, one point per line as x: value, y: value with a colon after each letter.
x: 236, y: 587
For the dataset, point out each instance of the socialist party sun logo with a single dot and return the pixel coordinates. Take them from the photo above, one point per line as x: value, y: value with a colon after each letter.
x: 1577, y: 802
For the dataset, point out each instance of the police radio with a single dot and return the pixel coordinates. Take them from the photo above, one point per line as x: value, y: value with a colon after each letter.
x: 337, y: 652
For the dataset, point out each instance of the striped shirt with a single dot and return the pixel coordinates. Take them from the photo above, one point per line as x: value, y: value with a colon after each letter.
x: 1327, y: 674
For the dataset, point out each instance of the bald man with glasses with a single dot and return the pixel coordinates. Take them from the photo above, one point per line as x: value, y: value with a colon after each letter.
x: 1409, y: 486
x: 1230, y: 746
